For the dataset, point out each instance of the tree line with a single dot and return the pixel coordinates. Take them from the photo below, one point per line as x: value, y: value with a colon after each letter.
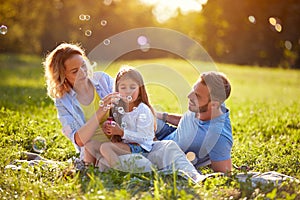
x: 248, y: 32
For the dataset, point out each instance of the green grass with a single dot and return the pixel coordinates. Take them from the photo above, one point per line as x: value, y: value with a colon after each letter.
x: 265, y: 117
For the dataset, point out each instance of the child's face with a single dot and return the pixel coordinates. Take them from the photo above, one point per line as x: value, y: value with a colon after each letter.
x: 128, y: 89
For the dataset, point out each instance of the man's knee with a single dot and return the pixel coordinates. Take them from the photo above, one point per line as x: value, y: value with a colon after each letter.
x: 164, y: 153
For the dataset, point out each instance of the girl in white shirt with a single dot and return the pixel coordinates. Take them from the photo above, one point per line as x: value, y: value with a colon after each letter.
x: 135, y: 124
x: 134, y: 118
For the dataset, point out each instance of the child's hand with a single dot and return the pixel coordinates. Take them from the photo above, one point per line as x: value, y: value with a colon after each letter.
x: 112, y: 128
x: 106, y: 127
x: 115, y: 139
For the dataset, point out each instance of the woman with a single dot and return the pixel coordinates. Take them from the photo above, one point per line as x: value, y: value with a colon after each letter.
x: 76, y: 93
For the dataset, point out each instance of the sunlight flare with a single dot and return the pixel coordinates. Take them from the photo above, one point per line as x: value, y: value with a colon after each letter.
x: 163, y: 10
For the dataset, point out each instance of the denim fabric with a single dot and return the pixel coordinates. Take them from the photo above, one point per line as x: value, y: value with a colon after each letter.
x: 135, y: 148
x: 163, y: 130
x: 69, y: 111
x: 209, y: 140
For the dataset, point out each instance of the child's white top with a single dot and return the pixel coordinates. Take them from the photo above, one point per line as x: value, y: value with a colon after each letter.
x: 138, y: 126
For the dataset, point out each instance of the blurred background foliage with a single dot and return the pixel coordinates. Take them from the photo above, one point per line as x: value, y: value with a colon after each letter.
x: 248, y: 32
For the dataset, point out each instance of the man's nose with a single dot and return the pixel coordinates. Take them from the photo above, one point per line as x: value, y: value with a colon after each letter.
x: 189, y: 96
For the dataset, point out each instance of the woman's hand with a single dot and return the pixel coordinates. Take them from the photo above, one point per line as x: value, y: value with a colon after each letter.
x: 106, y: 103
x: 109, y: 100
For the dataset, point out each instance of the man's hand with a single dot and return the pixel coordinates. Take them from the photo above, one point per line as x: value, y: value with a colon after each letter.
x: 224, y: 166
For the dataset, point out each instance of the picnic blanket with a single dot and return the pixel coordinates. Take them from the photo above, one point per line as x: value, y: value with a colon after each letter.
x: 137, y: 163
x: 265, y: 177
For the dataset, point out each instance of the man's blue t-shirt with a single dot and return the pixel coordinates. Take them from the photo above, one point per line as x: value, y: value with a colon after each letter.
x: 209, y: 140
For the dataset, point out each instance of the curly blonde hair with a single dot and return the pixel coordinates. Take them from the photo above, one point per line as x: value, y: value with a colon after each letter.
x: 55, y: 70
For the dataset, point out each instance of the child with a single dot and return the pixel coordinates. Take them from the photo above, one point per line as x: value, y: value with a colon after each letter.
x: 135, y: 123
x: 134, y: 116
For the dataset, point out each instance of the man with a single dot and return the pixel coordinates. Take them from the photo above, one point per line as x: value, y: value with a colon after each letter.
x: 205, y: 129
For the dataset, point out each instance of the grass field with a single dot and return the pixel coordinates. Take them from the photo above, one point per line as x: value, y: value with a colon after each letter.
x: 265, y: 117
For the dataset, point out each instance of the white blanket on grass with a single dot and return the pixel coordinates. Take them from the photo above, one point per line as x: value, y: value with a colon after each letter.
x: 137, y: 163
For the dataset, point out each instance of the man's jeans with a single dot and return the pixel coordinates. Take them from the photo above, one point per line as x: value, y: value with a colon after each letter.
x: 164, y: 131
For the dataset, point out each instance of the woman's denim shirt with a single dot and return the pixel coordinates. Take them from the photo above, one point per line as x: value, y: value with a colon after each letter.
x: 69, y: 111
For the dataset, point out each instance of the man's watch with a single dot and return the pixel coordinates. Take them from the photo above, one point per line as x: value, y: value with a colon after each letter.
x: 164, y: 116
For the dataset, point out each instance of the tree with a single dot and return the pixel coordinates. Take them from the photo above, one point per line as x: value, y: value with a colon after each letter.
x: 240, y: 31
x: 231, y: 31
x: 24, y: 24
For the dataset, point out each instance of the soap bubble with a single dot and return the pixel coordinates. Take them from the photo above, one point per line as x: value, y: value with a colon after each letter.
x: 103, y: 22
x: 272, y: 21
x: 101, y: 103
x: 129, y: 98
x: 252, y: 19
x: 106, y: 42
x: 191, y: 156
x: 88, y: 33
x: 121, y: 110
x: 3, y: 29
x: 276, y: 24
x: 123, y: 125
x: 288, y: 44
x: 83, y: 17
x: 39, y: 144
x: 278, y: 27
x: 142, y: 40
x: 143, y: 43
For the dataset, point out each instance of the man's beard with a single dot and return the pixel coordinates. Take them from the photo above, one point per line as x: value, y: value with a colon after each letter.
x: 203, y: 109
